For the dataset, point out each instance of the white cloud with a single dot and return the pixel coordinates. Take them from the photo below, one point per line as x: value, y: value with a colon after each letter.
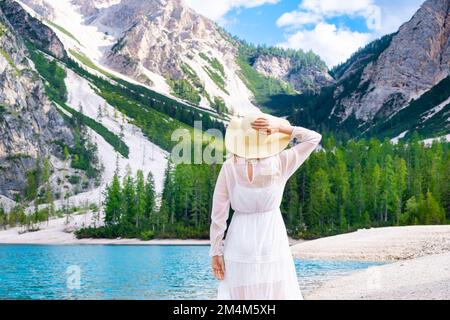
x: 335, y: 7
x: 217, y: 9
x: 298, y: 18
x: 395, y: 13
x: 315, y: 11
x: 334, y: 45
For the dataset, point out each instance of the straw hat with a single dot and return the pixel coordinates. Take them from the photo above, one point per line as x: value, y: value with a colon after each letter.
x: 244, y: 141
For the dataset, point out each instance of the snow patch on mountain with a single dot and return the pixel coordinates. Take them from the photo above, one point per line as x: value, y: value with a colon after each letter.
x: 106, y: 3
x: 399, y: 137
x: 430, y: 113
x: 6, y: 203
x: 144, y: 155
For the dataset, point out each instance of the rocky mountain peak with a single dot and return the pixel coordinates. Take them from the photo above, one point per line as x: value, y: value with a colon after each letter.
x: 417, y: 58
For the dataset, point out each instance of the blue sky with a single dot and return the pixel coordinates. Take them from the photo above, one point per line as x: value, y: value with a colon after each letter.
x: 334, y: 29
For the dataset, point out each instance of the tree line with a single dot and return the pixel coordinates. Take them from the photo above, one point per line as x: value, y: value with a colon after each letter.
x: 342, y: 187
x: 362, y: 184
x: 129, y: 209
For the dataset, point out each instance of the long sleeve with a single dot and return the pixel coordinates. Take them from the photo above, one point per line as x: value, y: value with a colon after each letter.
x: 219, y: 214
x: 291, y: 159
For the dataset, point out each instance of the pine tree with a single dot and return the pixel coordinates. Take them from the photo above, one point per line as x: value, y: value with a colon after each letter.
x: 167, y: 211
x: 129, y: 200
x: 48, y: 193
x: 431, y: 210
x: 373, y: 182
x: 358, y: 195
x: 341, y: 187
x: 411, y: 214
x: 32, y: 185
x: 343, y: 223
x: 445, y: 187
x: 184, y: 189
x: 196, y: 203
x: 150, y: 200
x: 401, y: 174
x: 319, y: 204
x: 113, y: 202
x: 140, y: 199
x: 416, y: 166
x: 436, y: 178
x: 99, y: 116
x: 388, y: 194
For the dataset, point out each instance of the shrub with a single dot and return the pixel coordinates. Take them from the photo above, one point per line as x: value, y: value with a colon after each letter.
x: 74, y: 179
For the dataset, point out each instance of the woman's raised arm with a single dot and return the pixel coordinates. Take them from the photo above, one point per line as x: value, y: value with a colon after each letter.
x: 291, y: 159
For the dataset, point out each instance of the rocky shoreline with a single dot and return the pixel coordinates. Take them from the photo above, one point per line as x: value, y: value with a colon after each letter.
x: 418, y: 263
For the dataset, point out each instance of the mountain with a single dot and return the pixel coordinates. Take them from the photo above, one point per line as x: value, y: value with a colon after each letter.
x: 394, y: 86
x: 93, y: 89
x: 304, y: 72
x: 67, y: 130
x: 29, y: 124
x: 171, y: 49
x: 86, y: 86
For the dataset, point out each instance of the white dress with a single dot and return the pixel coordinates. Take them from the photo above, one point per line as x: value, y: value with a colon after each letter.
x: 258, y: 261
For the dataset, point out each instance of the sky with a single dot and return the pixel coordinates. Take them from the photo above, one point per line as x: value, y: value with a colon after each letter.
x: 334, y: 29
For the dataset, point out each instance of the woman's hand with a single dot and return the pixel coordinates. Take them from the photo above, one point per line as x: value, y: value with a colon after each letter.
x: 218, y: 267
x: 269, y: 127
x: 265, y: 125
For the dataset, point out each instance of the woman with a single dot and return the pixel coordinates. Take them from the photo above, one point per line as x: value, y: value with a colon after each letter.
x: 255, y: 261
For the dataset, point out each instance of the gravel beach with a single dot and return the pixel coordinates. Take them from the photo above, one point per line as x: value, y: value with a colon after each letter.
x: 378, y: 244
x: 418, y: 263
x: 425, y: 278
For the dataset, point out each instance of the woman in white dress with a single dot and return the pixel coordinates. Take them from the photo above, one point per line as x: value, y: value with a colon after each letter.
x: 255, y: 261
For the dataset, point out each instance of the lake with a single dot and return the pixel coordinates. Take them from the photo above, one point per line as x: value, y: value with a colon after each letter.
x: 128, y: 272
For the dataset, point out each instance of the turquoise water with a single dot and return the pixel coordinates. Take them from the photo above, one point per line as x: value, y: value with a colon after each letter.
x: 127, y: 272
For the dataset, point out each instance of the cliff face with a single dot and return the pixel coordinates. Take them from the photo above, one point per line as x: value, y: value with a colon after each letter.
x: 416, y: 59
x: 25, y: 25
x: 161, y: 34
x: 28, y: 122
x: 302, y: 78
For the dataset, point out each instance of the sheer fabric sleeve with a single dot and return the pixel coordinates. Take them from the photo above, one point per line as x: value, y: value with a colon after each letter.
x: 291, y: 159
x: 219, y: 214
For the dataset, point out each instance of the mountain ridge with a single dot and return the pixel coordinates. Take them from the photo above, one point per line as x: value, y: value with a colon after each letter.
x: 164, y: 45
x: 386, y: 79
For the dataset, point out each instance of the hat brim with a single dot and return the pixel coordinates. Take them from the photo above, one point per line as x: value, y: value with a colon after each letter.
x: 256, y: 144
